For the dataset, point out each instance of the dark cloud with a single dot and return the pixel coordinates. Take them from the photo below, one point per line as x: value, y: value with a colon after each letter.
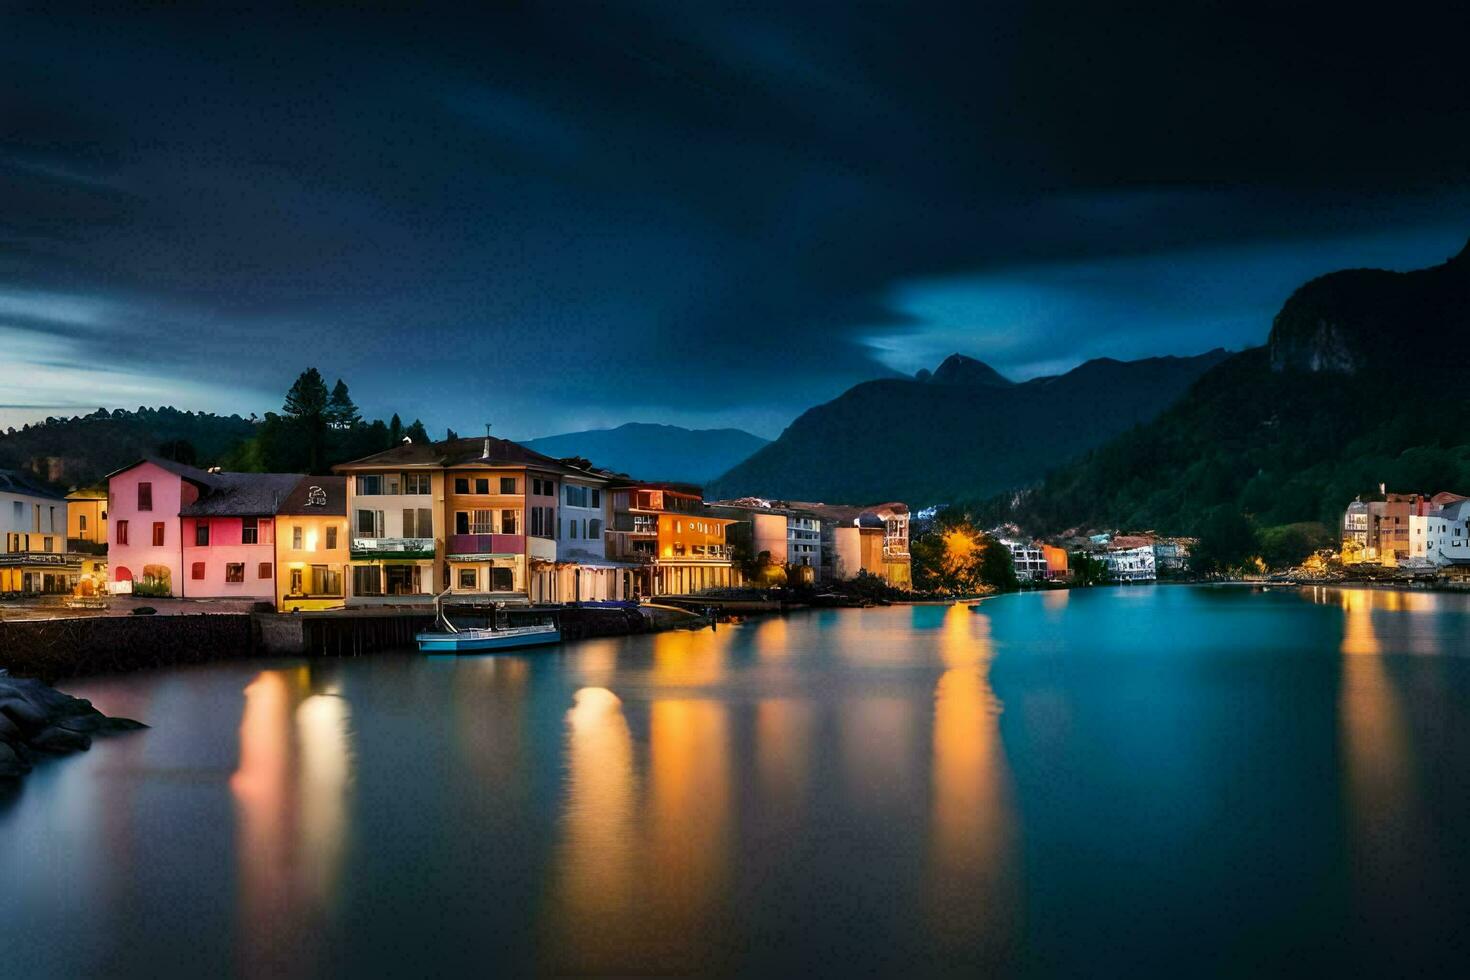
x: 558, y: 215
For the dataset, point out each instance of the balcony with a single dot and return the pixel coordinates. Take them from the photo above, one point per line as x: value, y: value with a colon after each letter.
x: 392, y: 548
x: 464, y: 545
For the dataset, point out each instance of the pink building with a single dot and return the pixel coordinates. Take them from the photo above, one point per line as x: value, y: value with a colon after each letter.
x: 229, y: 536
x: 143, y: 504
x: 178, y: 530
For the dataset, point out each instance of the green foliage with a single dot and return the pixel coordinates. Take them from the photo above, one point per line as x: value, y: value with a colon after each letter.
x: 1228, y: 543
x: 341, y: 411
x: 1288, y: 545
x: 953, y: 556
x: 1087, y: 569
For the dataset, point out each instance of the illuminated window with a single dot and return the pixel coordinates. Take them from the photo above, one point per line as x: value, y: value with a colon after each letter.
x: 469, y: 578
x: 331, y: 537
x: 235, y: 572
x: 158, y: 534
x: 122, y: 532
x: 296, y: 581
x: 250, y: 530
x: 296, y: 539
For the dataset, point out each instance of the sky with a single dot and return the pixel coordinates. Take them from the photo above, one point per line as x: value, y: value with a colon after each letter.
x: 562, y: 216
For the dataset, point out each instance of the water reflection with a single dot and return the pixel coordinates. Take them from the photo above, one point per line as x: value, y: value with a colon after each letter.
x: 290, y: 792
x: 691, y: 658
x: 972, y: 838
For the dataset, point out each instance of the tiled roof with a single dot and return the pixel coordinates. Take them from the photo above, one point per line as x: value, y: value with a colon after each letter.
x: 465, y: 452
x: 14, y: 481
x: 191, y: 473
x: 324, y: 496
x: 243, y: 495
x: 847, y: 513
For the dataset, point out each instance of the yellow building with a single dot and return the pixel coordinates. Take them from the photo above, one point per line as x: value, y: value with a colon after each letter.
x: 33, y: 554
x: 86, y: 517
x: 312, y: 545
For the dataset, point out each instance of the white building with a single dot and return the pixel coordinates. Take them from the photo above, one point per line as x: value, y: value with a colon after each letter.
x: 33, y: 548
x: 1130, y: 564
x: 804, y: 541
x: 1029, y: 559
x: 1447, y: 535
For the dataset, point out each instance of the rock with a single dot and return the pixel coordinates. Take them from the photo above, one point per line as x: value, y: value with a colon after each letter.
x: 35, y: 717
x: 60, y: 740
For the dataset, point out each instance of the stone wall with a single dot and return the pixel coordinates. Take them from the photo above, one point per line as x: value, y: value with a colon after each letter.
x: 56, y: 648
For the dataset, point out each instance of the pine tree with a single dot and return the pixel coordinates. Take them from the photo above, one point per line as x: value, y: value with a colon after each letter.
x: 308, y: 397
x: 417, y: 432
x: 341, y: 412
x: 395, y: 430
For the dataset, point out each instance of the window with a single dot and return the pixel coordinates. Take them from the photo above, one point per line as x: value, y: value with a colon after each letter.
x: 122, y: 532
x: 393, y: 483
x: 264, y: 571
x: 469, y: 578
x: 196, y: 571
x: 53, y: 519
x: 594, y: 528
x: 508, y: 521
x: 417, y: 484
x: 201, y: 534
x: 576, y: 496
x: 145, y: 496
x: 596, y: 498
x: 158, y: 534
x: 502, y: 579
x: 370, y: 523
x: 82, y: 522
x: 369, y: 485
x: 235, y: 571
x: 295, y: 581
x: 507, y: 484
x: 46, y: 544
x: 572, y: 528
x: 543, y: 488
x: 250, y: 530
x: 332, y: 537
x: 325, y: 580
x: 418, y: 522
x: 461, y: 522
x: 482, y: 522
x: 367, y: 580
x: 19, y: 510
x: 461, y: 484
x: 296, y: 537
x: 482, y: 485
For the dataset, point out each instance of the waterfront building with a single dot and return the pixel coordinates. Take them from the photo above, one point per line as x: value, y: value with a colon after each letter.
x: 228, y: 536
x: 1172, y: 554
x: 1056, y: 562
x: 33, y: 522
x: 675, y: 544
x: 789, y: 537
x: 145, y: 553
x: 312, y: 545
x: 1447, y: 542
x: 1355, y: 529
x: 86, y: 536
x: 873, y: 539
x: 1135, y: 564
x: 486, y: 520
x: 1028, y: 560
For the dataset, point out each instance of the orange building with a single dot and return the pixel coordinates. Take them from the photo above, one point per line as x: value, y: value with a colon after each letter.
x: 680, y: 548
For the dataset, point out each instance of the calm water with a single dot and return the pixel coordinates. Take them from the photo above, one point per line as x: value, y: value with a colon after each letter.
x: 1155, y: 778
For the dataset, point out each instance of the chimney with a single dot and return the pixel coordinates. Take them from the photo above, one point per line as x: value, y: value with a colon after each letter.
x: 485, y: 453
x: 1382, y: 491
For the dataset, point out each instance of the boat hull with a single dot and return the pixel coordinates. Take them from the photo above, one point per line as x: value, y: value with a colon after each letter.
x: 486, y: 641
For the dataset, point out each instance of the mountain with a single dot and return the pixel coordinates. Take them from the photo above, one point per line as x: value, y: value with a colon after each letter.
x: 655, y: 452
x: 79, y: 450
x: 962, y: 432
x: 1358, y: 384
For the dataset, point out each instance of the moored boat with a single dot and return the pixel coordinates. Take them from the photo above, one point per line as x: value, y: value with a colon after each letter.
x: 448, y: 638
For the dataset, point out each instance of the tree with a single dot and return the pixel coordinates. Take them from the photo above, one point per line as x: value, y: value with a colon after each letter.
x: 417, y: 432
x: 1228, y: 542
x: 341, y: 412
x: 451, y: 435
x: 395, y: 430
x: 1288, y: 545
x: 308, y: 396
x: 180, y: 451
x: 1087, y: 570
x: 955, y: 557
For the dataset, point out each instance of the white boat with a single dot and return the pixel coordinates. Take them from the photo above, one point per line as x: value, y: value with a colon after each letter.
x: 448, y: 638
x: 480, y: 641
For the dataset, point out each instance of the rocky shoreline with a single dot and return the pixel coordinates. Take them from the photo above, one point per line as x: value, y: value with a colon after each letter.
x: 36, y: 720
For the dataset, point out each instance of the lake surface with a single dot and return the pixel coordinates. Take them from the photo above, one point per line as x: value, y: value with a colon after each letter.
x: 1152, y: 778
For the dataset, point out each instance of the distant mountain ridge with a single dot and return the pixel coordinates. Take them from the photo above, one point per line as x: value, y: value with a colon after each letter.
x: 961, y: 432
x: 1356, y: 386
x: 655, y: 452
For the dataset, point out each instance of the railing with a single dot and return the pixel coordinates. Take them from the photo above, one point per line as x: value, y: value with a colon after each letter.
x: 487, y: 544
x: 392, y: 548
x: 80, y: 546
